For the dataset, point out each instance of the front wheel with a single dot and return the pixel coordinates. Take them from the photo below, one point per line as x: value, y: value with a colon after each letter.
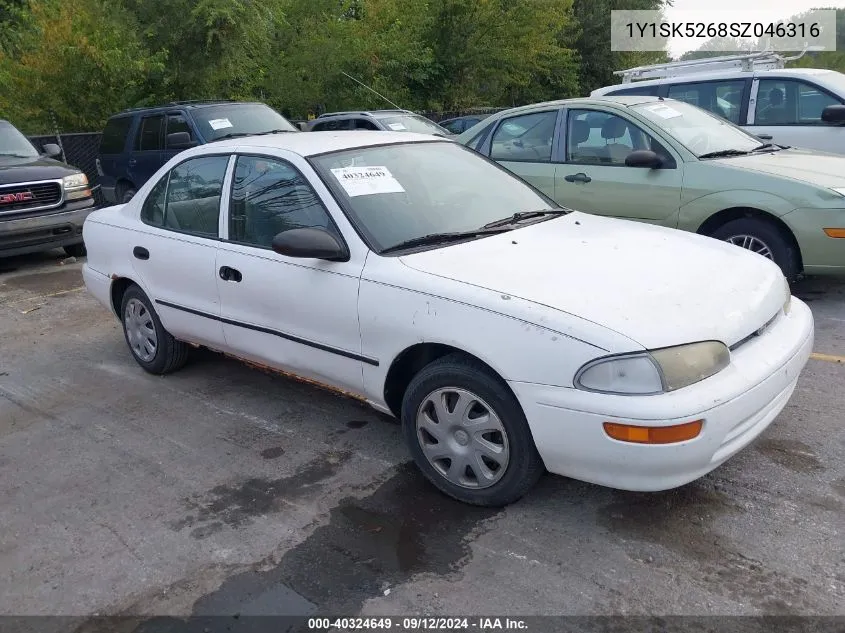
x: 153, y: 347
x: 75, y: 250
x: 763, y: 238
x: 468, y: 434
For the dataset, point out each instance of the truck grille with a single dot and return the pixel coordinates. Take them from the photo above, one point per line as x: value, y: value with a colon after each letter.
x: 31, y: 195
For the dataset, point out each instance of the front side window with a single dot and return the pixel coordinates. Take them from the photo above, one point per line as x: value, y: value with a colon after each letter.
x: 594, y: 136
x: 178, y: 123
x: 270, y: 196
x: 364, y: 124
x: 403, y: 191
x: 187, y: 199
x: 789, y: 102
x: 525, y: 138
x: 149, y: 134
x: 723, y: 98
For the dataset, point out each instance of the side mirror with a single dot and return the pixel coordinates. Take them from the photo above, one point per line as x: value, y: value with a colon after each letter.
x: 310, y: 243
x: 179, y: 140
x: 834, y: 114
x: 643, y: 158
x: 52, y: 150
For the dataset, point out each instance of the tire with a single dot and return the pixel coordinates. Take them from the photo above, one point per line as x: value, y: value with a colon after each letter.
x: 781, y: 250
x: 75, y: 250
x: 168, y: 354
x: 127, y: 195
x: 455, y: 376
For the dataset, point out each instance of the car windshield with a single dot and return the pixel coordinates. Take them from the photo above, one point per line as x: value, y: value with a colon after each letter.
x: 412, y: 123
x: 696, y: 129
x: 396, y: 193
x: 238, y: 119
x: 13, y: 143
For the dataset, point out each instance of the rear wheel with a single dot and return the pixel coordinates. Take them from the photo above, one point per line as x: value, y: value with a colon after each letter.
x: 75, y: 250
x: 468, y: 434
x: 763, y: 238
x: 153, y: 347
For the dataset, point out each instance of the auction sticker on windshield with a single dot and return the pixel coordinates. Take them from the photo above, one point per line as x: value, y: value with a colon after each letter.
x: 364, y: 181
x: 219, y: 124
x: 396, y: 127
x: 664, y: 111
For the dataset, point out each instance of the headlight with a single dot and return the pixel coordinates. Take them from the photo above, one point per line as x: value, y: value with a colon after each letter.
x: 76, y: 186
x: 655, y: 371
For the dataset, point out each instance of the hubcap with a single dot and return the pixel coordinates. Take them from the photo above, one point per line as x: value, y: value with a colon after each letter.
x: 462, y: 438
x: 140, y: 330
x: 751, y: 243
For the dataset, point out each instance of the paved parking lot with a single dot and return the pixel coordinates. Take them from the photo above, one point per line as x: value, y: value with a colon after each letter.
x: 223, y: 489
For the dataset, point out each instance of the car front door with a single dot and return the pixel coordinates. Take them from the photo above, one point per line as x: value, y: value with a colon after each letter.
x: 594, y: 177
x: 175, y: 252
x: 295, y: 314
x: 524, y: 145
x: 146, y: 155
x: 790, y: 111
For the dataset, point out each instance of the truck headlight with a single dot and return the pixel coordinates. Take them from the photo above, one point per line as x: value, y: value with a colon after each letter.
x: 654, y: 371
x: 76, y: 186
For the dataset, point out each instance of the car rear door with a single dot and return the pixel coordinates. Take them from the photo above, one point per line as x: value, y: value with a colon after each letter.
x: 145, y: 157
x: 524, y: 144
x: 112, y: 154
x: 295, y: 314
x: 789, y: 111
x: 174, y: 252
x: 593, y: 176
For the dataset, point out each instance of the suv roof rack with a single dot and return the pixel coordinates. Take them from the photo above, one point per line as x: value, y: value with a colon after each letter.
x: 197, y: 101
x: 761, y: 60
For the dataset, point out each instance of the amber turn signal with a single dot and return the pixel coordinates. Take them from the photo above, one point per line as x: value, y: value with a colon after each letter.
x: 835, y: 232
x: 653, y: 434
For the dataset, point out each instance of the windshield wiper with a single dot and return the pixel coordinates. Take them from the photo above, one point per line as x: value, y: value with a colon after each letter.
x: 768, y: 147
x: 270, y: 132
x: 523, y: 215
x: 724, y: 152
x: 231, y: 135
x: 442, y: 238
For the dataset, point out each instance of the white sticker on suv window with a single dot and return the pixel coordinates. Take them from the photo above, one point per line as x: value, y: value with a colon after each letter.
x: 396, y: 127
x: 664, y: 111
x: 219, y: 124
x: 364, y: 181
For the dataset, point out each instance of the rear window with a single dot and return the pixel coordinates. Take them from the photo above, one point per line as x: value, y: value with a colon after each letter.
x: 114, y: 136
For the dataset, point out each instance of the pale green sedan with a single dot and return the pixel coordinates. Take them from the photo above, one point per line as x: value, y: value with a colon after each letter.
x: 674, y: 164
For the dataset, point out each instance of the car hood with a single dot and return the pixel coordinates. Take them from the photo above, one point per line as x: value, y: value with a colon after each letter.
x: 656, y: 286
x: 817, y: 168
x: 14, y: 170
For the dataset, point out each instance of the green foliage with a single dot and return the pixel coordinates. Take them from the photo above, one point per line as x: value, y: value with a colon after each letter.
x: 79, y: 62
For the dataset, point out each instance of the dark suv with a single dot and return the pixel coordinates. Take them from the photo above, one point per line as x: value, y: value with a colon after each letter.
x: 136, y: 142
x: 43, y: 201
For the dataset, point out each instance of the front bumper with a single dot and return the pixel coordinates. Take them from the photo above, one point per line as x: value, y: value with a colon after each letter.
x: 822, y: 255
x: 736, y: 405
x: 60, y: 227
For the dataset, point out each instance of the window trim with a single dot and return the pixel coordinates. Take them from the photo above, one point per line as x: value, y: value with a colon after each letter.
x: 806, y: 82
x: 590, y: 108
x: 744, y: 96
x: 554, y: 154
x: 136, y: 146
x: 168, y: 229
x: 233, y: 165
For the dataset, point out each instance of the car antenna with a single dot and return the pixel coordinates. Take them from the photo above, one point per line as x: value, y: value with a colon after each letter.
x: 373, y: 91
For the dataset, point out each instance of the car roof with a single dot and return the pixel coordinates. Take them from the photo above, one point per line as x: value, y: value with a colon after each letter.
x: 327, y: 115
x: 623, y: 100
x: 719, y: 74
x: 188, y: 105
x: 311, y: 143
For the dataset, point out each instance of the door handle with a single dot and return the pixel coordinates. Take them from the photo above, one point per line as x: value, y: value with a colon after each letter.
x: 140, y: 252
x: 132, y: 162
x: 579, y: 177
x: 230, y: 274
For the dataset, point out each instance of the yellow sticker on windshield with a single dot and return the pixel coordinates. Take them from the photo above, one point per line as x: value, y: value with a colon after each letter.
x: 365, y: 181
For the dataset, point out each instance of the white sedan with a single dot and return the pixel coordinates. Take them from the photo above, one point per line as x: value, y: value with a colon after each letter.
x: 508, y: 334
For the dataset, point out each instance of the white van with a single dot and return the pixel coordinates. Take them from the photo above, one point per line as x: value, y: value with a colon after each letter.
x: 754, y: 91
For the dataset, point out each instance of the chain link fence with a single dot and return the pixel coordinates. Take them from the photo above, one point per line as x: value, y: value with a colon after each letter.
x: 79, y: 150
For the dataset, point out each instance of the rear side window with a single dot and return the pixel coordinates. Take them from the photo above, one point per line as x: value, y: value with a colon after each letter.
x: 114, y: 135
x: 723, y: 98
x: 149, y: 134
